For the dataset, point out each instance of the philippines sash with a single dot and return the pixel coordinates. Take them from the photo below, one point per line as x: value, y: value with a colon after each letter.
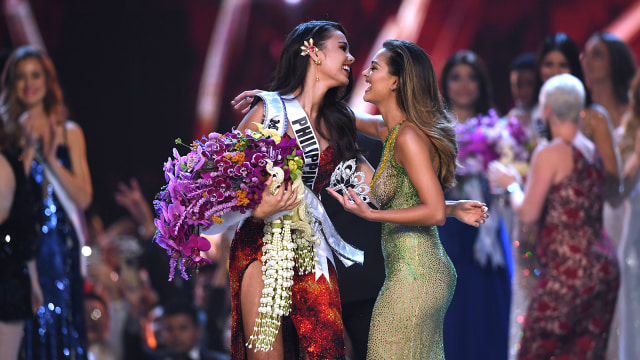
x: 278, y: 112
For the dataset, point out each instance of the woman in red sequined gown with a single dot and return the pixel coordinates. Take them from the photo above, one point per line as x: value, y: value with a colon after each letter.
x: 319, y: 79
x: 572, y: 306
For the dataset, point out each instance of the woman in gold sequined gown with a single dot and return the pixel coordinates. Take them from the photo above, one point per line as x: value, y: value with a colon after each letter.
x: 418, y: 163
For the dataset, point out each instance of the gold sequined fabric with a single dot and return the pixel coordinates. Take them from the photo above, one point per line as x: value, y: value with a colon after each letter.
x: 420, y: 279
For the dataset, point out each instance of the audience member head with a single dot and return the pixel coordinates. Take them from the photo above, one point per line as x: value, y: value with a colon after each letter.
x: 465, y: 83
x: 96, y: 317
x: 181, y: 328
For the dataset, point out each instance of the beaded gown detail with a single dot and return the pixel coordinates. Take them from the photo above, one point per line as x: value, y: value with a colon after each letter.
x: 58, y: 331
x: 314, y: 325
x: 420, y: 279
x: 572, y: 306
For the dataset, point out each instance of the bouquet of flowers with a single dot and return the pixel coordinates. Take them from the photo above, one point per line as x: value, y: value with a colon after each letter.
x: 487, y: 138
x: 222, y: 174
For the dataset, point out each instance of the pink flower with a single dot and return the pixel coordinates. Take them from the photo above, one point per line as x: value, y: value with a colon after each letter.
x: 486, y: 138
x: 205, y: 183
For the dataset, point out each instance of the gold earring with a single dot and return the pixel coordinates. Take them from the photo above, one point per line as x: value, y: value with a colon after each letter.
x: 318, y: 61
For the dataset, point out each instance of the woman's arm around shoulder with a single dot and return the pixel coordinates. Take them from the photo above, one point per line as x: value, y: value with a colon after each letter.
x: 370, y: 125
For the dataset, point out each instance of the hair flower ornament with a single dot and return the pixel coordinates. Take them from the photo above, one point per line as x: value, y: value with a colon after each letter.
x: 308, y: 47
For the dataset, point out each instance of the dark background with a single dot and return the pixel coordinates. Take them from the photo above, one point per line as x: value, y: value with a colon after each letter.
x: 130, y: 69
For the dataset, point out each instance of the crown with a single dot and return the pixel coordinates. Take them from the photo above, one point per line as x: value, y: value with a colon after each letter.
x: 346, y: 177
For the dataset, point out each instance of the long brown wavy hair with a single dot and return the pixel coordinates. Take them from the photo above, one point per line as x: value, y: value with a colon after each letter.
x: 11, y: 108
x: 419, y: 98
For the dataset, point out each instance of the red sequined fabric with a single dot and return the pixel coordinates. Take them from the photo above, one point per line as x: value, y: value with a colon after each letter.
x: 570, y: 313
x: 314, y: 326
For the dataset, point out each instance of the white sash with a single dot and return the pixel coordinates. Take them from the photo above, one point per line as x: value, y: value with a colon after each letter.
x: 278, y: 112
x: 306, y: 139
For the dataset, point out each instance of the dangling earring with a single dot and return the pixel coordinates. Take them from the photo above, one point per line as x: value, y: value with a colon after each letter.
x: 317, y: 62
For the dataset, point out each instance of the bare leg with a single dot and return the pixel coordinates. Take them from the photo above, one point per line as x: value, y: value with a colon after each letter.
x: 10, y: 336
x: 250, y: 293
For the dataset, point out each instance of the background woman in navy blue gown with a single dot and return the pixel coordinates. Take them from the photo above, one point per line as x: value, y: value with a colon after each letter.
x: 478, y: 315
x: 55, y: 156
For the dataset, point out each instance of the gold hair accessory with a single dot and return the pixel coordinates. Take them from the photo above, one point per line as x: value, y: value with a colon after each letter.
x: 308, y: 47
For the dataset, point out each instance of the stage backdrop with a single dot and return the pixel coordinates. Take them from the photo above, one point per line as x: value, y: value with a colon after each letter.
x: 130, y: 69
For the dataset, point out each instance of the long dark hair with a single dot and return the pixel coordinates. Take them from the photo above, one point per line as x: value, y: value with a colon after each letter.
x: 335, y: 115
x: 563, y: 43
x: 468, y: 57
x: 622, y: 64
x: 419, y: 98
x: 11, y: 107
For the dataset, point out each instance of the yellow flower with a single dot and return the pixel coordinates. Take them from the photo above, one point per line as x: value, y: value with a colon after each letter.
x: 293, y: 166
x: 269, y: 133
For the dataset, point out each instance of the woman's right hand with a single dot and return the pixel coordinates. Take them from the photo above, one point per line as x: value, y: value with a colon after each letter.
x: 283, y: 199
x: 37, y: 299
x: 243, y: 100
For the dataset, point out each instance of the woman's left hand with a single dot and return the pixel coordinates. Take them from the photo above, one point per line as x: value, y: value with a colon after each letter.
x: 470, y: 212
x: 354, y: 205
x: 501, y: 176
x: 242, y: 102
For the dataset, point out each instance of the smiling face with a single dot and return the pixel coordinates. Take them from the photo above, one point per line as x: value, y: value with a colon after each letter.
x: 463, y: 86
x: 30, y: 82
x: 554, y: 63
x: 335, y: 60
x: 595, y: 61
x: 378, y: 79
